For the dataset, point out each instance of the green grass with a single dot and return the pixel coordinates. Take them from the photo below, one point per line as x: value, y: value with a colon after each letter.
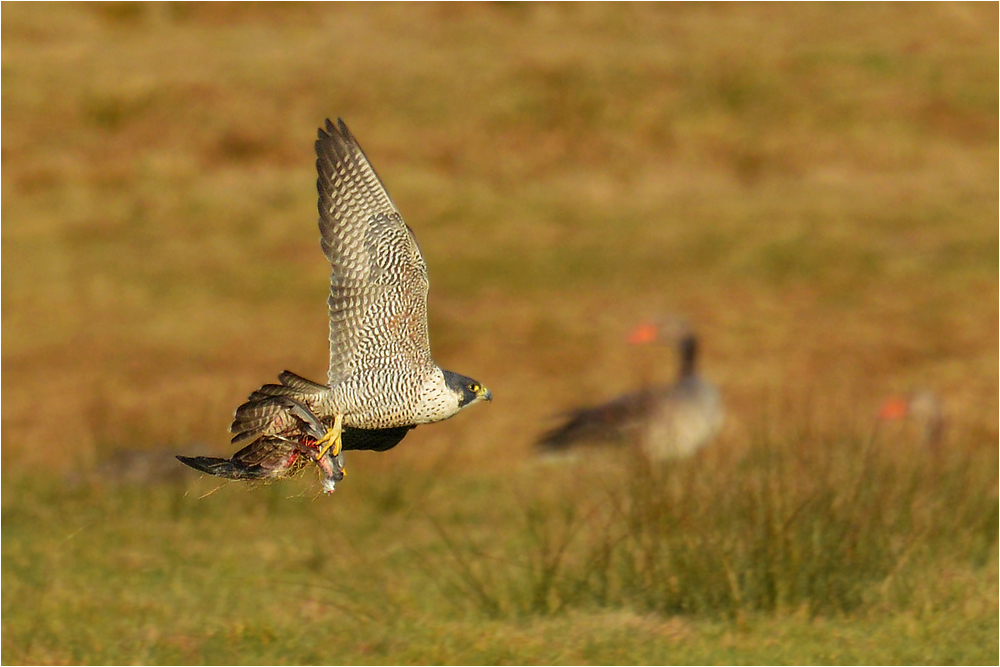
x: 826, y: 525
x: 814, y: 188
x: 825, y: 543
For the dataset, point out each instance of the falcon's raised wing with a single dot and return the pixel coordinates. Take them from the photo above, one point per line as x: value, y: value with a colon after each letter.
x: 378, y: 282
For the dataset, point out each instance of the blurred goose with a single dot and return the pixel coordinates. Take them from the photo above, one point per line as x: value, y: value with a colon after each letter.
x: 668, y: 421
x: 920, y: 412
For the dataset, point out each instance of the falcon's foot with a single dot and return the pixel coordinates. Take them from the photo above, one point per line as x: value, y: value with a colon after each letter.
x: 331, y: 440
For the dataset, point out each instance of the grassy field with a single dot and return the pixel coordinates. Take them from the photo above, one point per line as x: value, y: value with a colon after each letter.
x: 813, y: 186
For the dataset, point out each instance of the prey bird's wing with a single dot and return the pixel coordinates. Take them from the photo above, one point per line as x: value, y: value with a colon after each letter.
x: 378, y: 282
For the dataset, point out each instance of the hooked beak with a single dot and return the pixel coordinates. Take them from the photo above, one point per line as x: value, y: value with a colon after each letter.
x: 484, y: 394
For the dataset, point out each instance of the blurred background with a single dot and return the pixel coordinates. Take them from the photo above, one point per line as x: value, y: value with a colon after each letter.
x: 813, y: 187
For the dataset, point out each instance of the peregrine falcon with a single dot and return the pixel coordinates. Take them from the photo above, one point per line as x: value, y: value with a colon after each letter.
x: 668, y: 421
x: 382, y: 381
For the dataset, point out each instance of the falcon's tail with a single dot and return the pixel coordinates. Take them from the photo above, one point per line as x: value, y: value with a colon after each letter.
x: 264, y: 458
x: 274, y: 408
x: 291, y: 385
x: 224, y: 467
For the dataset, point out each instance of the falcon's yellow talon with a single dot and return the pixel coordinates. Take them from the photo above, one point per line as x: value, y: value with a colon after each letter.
x: 332, y: 441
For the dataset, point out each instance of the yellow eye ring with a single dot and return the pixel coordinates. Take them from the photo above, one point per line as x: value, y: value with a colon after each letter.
x: 474, y: 388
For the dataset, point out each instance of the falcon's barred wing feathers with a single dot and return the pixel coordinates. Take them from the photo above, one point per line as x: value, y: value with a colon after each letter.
x: 378, y: 281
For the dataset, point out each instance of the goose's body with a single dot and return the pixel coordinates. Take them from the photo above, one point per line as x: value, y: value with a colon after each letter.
x: 668, y: 421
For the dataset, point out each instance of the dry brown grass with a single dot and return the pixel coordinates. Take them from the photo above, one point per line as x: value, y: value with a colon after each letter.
x: 817, y: 196
x: 814, y: 187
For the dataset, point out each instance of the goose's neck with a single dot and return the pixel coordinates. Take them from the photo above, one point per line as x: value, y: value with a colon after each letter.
x: 689, y: 354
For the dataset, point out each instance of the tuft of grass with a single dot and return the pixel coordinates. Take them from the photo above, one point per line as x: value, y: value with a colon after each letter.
x: 826, y: 523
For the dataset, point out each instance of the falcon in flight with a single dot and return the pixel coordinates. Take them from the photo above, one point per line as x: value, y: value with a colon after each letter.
x: 382, y: 380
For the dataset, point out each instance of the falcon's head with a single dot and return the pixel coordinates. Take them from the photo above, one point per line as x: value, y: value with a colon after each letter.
x: 467, y: 390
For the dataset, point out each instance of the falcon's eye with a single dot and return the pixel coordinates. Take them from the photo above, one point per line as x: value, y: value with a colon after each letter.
x: 474, y: 388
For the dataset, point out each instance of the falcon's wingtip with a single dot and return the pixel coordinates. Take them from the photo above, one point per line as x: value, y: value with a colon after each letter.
x: 331, y: 130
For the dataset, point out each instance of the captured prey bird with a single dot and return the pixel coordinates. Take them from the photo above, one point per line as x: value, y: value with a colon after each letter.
x: 285, y: 440
x: 382, y: 381
x: 668, y: 421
